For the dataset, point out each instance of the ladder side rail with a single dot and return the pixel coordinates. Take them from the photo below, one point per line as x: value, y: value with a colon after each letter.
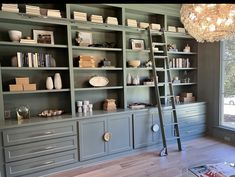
x: 157, y: 95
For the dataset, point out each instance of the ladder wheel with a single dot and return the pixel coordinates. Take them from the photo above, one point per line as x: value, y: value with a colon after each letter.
x: 163, y: 152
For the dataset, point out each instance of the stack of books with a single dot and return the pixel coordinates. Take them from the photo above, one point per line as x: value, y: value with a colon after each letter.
x: 10, y: 7
x: 86, y: 61
x: 143, y: 25
x: 132, y: 23
x: 80, y: 16
x: 32, y: 10
x: 97, y: 19
x: 112, y: 20
x: 53, y: 13
x: 28, y: 41
x: 155, y: 26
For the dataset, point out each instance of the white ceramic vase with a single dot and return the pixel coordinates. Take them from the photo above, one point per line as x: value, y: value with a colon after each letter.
x: 57, y: 81
x: 49, y: 83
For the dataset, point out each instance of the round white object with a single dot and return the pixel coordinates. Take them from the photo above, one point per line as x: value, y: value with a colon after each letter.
x: 155, y: 128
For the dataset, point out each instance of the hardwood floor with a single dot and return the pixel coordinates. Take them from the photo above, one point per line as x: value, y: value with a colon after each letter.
x: 149, y: 164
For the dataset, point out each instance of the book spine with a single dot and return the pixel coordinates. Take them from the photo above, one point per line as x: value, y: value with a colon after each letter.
x: 30, y: 64
x: 19, y: 59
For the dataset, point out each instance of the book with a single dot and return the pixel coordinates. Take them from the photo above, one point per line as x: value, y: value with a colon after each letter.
x: 19, y: 59
x: 30, y: 59
x: 35, y: 60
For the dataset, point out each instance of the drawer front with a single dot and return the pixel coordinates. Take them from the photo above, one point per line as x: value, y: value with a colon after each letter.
x: 193, y: 130
x: 38, y: 132
x: 24, y: 167
x: 192, y: 120
x: 191, y: 111
x: 46, y: 147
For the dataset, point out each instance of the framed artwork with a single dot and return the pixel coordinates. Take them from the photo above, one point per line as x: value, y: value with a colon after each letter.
x: 137, y: 44
x: 84, y: 38
x: 43, y: 37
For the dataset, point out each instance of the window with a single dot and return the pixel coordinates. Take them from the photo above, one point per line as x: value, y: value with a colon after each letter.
x: 228, y: 84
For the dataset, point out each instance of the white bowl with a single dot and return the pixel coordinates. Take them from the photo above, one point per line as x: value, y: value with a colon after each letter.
x: 134, y: 63
x: 15, y: 35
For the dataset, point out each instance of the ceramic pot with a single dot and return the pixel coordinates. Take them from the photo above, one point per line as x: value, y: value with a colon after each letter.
x: 15, y: 35
x: 57, y: 81
x: 49, y: 83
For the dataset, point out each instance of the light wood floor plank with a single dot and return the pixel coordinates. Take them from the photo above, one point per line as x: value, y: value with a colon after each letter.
x: 149, y: 164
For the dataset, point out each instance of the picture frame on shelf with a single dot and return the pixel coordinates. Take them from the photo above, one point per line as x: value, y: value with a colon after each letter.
x: 43, y: 37
x: 83, y: 38
x: 137, y: 44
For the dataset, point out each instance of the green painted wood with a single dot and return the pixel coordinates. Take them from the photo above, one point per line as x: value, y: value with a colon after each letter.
x: 2, y: 169
x: 98, y: 88
x: 35, y: 133
x: 101, y: 69
x: 91, y: 142
x: 87, y: 25
x: 182, y: 53
x: 37, y: 149
x: 97, y: 48
x: 5, y: 43
x: 2, y: 109
x: 71, y: 73
x: 40, y: 68
x: 35, y: 92
x: 26, y: 19
x: 24, y: 167
x: 142, y: 126
x: 120, y: 128
x: 191, y: 111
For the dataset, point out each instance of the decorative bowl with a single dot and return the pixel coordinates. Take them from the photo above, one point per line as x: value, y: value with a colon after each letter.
x: 15, y: 35
x: 98, y: 81
x: 134, y: 63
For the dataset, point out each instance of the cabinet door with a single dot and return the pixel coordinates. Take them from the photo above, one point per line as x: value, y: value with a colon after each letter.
x: 1, y: 157
x: 143, y: 133
x: 91, y: 141
x: 169, y: 127
x: 120, y: 127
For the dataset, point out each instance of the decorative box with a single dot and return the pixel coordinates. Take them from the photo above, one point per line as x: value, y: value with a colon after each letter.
x: 187, y: 99
x: 132, y: 23
x: 172, y: 28
x: 80, y: 16
x: 111, y: 20
x: 185, y: 94
x: 97, y: 19
x: 143, y: 25
x: 155, y: 26
x: 109, y: 105
x: 15, y: 87
x: 29, y: 87
x: 180, y: 30
x: 22, y: 80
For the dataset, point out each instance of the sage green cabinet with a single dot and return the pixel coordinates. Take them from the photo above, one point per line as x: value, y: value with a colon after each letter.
x: 143, y: 123
x: 38, y: 132
x: 105, y: 135
x: 34, y: 148
x: 33, y: 165
x: 91, y: 141
x: 2, y: 170
x: 192, y: 120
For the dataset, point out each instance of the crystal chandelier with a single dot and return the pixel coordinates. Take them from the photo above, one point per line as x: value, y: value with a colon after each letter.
x: 209, y: 22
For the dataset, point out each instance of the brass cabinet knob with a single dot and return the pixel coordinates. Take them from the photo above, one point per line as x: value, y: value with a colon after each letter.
x: 107, y: 136
x: 155, y: 128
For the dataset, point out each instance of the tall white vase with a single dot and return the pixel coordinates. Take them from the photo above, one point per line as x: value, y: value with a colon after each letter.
x: 57, y: 81
x: 49, y: 83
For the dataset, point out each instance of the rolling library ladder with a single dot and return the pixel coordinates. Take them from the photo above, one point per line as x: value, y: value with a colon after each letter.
x: 154, y: 58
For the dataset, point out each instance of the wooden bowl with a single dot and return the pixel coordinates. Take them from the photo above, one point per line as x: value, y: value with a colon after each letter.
x: 134, y: 63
